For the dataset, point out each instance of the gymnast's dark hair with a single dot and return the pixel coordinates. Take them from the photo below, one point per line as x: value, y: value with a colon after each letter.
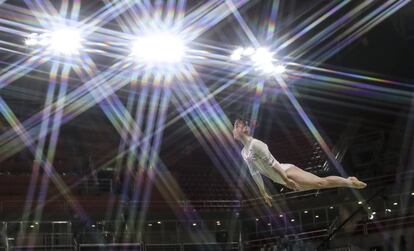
x: 244, y: 122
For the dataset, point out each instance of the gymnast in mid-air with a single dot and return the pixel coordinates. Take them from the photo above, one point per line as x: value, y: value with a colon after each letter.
x: 260, y: 161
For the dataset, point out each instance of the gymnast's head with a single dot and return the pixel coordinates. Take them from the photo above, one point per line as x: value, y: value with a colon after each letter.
x: 240, y: 129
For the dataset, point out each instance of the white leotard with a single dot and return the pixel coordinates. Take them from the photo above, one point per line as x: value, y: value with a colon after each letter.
x: 259, y: 160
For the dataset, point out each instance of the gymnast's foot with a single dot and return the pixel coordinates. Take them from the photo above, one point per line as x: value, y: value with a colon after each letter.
x: 356, y: 183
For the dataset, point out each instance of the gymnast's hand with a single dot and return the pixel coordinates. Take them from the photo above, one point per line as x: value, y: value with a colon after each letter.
x: 292, y: 184
x: 268, y: 199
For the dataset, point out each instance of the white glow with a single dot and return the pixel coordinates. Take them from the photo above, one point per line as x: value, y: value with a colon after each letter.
x: 248, y: 51
x: 395, y: 203
x: 159, y: 48
x: 292, y: 220
x: 306, y: 212
x: 65, y: 41
x: 262, y: 56
x: 194, y: 224
x: 279, y: 69
x: 32, y: 40
x: 237, y: 53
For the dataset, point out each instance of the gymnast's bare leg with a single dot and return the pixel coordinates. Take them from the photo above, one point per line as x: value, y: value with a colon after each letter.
x: 307, y: 181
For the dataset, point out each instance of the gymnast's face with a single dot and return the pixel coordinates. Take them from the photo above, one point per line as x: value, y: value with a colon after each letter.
x: 239, y: 129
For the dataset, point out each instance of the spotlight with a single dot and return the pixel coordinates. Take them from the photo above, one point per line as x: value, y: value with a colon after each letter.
x: 266, y: 68
x: 159, y: 48
x: 218, y: 223
x: 281, y: 216
x: 331, y: 207
x: 359, y: 202
x: 237, y: 53
x: 279, y: 69
x: 257, y: 219
x: 261, y: 58
x: 395, y: 203
x: 306, y: 211
x: 248, y: 51
x: 292, y: 220
x: 158, y: 222
x: 371, y: 217
x: 316, y: 216
x: 32, y: 40
x: 194, y: 224
x: 65, y: 41
x: 269, y: 224
x: 149, y: 224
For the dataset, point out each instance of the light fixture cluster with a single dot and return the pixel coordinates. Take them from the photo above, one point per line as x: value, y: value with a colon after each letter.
x: 157, y: 48
x: 261, y: 58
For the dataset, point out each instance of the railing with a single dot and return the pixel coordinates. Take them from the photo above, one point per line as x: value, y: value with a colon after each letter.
x: 100, y: 185
x: 40, y: 240
x: 222, y: 204
x: 112, y: 246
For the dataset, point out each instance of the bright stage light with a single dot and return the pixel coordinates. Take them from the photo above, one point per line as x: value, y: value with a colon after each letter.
x: 261, y: 58
x: 65, y: 41
x: 248, y: 51
x: 32, y: 40
x: 237, y: 53
x: 278, y: 69
x: 159, y: 48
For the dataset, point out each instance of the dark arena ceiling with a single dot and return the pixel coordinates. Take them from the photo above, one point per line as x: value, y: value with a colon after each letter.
x: 349, y: 73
